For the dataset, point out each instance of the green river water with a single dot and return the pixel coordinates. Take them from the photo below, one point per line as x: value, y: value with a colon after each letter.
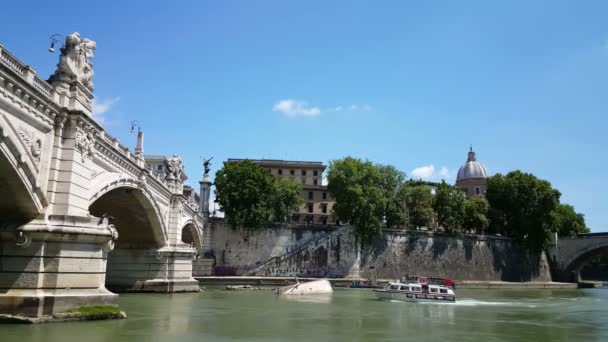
x: 347, y: 315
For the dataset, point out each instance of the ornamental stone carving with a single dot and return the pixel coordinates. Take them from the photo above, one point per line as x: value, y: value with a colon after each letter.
x: 85, y: 141
x: 33, y: 143
x: 173, y: 168
x: 105, y: 221
x: 74, y: 63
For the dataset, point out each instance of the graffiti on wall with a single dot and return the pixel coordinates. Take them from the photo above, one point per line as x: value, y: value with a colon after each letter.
x: 285, y: 271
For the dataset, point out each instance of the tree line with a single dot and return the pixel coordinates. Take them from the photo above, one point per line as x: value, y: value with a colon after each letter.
x: 372, y: 197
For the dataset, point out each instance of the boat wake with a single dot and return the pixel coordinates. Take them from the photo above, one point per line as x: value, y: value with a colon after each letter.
x: 476, y: 302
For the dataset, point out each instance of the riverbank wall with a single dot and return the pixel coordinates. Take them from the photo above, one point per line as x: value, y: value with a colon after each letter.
x: 335, y: 252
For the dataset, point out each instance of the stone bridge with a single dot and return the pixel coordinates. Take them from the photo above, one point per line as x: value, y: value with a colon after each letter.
x: 79, y: 212
x: 568, y: 256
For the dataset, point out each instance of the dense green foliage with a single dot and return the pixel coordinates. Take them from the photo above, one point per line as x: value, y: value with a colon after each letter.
x: 476, y: 214
x: 287, y: 197
x: 392, y: 185
x: 567, y: 222
x: 450, y: 208
x: 420, y: 205
x: 250, y: 196
x: 521, y: 207
x: 368, y: 196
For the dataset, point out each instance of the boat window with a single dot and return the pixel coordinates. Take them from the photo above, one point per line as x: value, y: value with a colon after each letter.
x: 416, y: 288
x: 394, y: 287
x: 443, y: 290
x: 405, y: 288
x: 433, y: 290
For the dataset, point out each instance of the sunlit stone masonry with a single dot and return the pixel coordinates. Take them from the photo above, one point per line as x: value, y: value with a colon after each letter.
x: 79, y: 212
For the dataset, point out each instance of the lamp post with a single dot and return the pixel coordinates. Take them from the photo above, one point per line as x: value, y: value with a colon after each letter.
x: 54, y: 39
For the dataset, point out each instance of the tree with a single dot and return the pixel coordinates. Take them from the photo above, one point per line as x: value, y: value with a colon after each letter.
x: 567, y: 222
x: 249, y: 195
x: 521, y: 207
x: 420, y: 205
x: 287, y: 198
x: 475, y: 214
x: 449, y: 206
x: 392, y: 186
x: 368, y: 196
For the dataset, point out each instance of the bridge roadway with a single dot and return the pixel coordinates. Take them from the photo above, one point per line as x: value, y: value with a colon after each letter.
x: 79, y: 212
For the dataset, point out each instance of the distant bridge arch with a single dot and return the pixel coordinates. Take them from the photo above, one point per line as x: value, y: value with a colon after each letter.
x: 570, y: 255
x: 192, y: 234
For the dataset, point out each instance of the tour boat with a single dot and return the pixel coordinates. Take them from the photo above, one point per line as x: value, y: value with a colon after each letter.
x: 416, y: 292
x: 321, y: 286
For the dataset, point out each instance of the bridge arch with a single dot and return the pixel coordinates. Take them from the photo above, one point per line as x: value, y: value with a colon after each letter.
x: 574, y: 264
x: 192, y: 234
x: 136, y: 214
x: 21, y: 199
x: 145, y: 202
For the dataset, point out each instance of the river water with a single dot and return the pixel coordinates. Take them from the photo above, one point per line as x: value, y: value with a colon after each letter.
x: 347, y: 315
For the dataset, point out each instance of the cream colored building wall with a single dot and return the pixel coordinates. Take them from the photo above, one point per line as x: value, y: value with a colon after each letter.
x: 310, y: 183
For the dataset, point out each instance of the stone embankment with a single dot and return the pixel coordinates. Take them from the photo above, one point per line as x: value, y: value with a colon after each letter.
x: 335, y: 252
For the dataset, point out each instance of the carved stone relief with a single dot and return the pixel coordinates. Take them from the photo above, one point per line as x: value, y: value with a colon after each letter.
x: 85, y: 141
x: 33, y: 143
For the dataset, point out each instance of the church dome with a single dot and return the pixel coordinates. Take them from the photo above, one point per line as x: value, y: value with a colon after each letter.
x: 472, y: 169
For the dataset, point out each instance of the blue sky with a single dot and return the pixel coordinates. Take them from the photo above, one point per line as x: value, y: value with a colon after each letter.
x: 408, y: 83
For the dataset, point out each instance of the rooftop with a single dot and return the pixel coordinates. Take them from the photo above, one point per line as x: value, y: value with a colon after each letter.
x: 279, y: 162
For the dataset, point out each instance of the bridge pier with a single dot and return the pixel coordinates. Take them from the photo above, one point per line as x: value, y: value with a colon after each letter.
x: 54, y: 265
x: 168, y: 269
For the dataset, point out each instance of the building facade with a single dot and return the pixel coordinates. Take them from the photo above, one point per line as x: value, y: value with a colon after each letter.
x: 318, y: 204
x: 472, y: 176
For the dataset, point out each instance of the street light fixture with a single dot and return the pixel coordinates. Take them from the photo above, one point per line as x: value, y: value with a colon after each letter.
x: 54, y: 39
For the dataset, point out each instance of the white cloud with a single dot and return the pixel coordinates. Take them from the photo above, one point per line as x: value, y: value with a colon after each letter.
x: 294, y: 108
x: 101, y: 107
x: 428, y: 172
x: 324, y: 181
x: 444, y: 173
x: 423, y: 172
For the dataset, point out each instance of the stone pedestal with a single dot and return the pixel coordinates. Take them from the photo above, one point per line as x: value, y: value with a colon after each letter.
x: 54, y: 265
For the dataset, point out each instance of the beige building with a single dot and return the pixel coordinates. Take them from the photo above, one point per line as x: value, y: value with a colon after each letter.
x: 472, y: 176
x: 318, y: 204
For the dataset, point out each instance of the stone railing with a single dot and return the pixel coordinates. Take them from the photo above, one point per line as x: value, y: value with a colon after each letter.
x: 43, y: 86
x: 13, y: 62
x: 27, y: 73
x: 123, y: 159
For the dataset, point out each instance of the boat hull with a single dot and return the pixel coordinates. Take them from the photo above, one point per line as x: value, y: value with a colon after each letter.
x: 413, y: 297
x: 321, y: 286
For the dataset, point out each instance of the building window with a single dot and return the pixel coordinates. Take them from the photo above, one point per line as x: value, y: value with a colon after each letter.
x: 315, y: 173
x: 324, y: 221
x: 324, y: 208
x: 315, y: 182
x: 159, y: 167
x: 292, y: 172
x: 303, y: 172
x: 477, y: 192
x: 310, y: 207
x: 280, y: 171
x: 310, y: 195
x: 324, y: 195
